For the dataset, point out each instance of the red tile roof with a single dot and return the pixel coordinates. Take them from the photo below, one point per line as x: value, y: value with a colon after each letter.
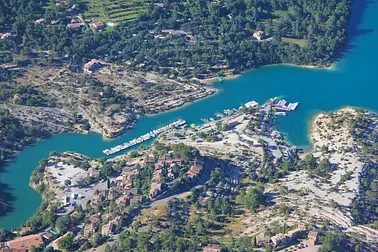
x: 26, y: 242
x: 194, y: 171
x: 94, y: 219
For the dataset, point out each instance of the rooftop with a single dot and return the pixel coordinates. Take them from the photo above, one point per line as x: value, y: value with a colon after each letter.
x: 194, y: 170
x: 26, y: 242
x: 74, y: 25
x: 39, y: 21
x: 212, y: 249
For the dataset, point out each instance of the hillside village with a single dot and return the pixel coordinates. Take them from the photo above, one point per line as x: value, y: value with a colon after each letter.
x: 225, y: 174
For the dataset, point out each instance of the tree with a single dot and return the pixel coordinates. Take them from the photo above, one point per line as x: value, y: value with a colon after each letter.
x: 107, y: 170
x: 254, y: 242
x: 49, y: 249
x: 49, y: 217
x: 324, y: 168
x: 285, y: 165
x: 67, y: 242
x: 43, y: 163
x: 107, y: 248
x: 199, y: 228
x: 97, y: 239
x: 4, y: 235
x: 34, y: 249
x: 215, y: 177
x: 188, y: 228
x: 310, y: 162
x: 133, y: 153
x: 52, y: 153
x: 331, y: 242
x: 67, y: 182
x: 268, y: 248
x: 253, y: 198
x: 63, y: 223
x: 220, y: 126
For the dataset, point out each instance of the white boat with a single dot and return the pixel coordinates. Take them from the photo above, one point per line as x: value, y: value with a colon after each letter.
x: 143, y: 138
x: 280, y: 113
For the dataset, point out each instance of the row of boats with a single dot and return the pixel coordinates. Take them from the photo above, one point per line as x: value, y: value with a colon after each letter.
x: 143, y: 138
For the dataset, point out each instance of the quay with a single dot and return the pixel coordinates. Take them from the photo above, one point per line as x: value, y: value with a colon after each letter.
x: 143, y: 138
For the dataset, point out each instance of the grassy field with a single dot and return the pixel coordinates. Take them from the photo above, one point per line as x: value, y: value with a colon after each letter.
x: 300, y: 42
x: 115, y: 11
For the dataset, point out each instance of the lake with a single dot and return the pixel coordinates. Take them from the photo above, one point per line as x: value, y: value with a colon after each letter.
x: 353, y: 81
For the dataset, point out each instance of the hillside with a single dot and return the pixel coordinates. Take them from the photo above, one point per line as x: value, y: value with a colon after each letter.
x: 238, y: 187
x: 185, y: 39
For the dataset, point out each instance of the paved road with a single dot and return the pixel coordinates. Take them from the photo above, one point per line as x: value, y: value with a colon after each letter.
x: 166, y: 199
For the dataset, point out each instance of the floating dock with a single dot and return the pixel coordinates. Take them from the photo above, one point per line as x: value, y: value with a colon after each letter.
x: 281, y: 105
x: 143, y: 138
x: 293, y: 106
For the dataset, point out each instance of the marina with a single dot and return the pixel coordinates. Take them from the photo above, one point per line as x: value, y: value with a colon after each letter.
x: 143, y: 138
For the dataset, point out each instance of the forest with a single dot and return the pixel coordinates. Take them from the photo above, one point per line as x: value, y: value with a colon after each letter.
x: 364, y: 207
x: 190, y: 38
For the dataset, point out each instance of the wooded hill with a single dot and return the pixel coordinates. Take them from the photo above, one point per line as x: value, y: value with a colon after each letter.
x: 193, y: 38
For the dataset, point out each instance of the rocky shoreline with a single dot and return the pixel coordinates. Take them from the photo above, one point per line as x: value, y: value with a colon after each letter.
x: 108, y: 102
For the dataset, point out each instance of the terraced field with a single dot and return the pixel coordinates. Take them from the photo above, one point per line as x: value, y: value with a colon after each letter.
x: 300, y: 42
x: 115, y: 11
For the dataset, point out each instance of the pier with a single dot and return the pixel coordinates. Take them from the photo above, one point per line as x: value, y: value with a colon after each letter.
x: 281, y: 105
x: 143, y: 138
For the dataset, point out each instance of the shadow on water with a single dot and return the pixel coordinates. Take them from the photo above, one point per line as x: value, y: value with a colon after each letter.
x: 354, y: 28
x: 6, y: 199
x: 10, y: 160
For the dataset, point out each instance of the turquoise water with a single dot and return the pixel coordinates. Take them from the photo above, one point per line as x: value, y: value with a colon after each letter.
x: 354, y: 81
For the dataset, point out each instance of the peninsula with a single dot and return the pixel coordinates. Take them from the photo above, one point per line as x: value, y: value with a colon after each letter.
x: 232, y: 179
